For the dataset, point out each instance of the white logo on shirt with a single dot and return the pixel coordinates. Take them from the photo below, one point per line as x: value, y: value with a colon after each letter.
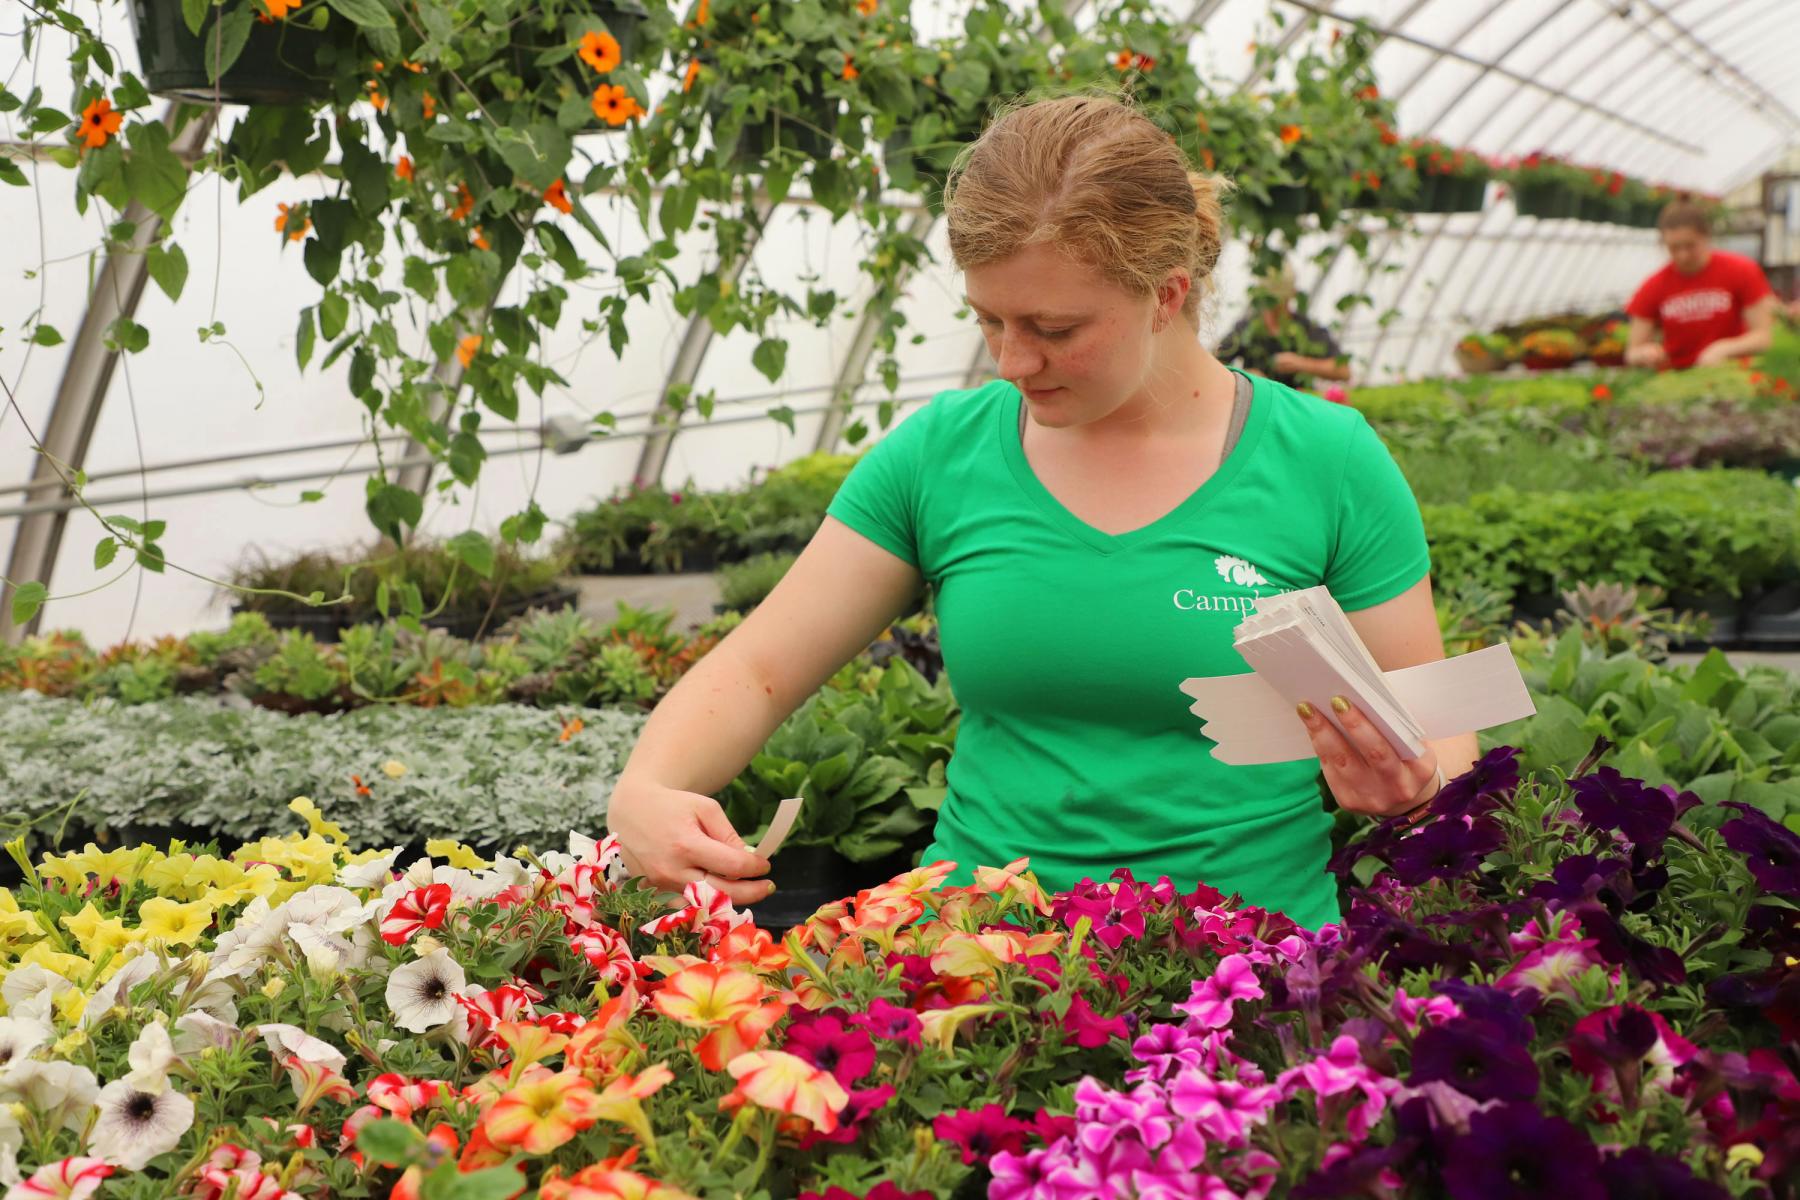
x: 1702, y: 305
x: 1237, y: 571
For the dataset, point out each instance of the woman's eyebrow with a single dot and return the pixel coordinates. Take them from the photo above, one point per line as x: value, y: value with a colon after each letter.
x: 1051, y: 318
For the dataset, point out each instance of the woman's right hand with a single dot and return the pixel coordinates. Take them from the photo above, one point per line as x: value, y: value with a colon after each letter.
x: 673, y: 838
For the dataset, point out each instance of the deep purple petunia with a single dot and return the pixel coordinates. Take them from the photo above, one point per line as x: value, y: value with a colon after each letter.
x: 1481, y: 788
x: 1583, y: 877
x: 1444, y: 849
x: 1637, y: 1174
x: 1608, y: 800
x: 1770, y: 850
x: 1622, y: 948
x: 1515, y: 1152
x: 1355, y: 1174
x: 823, y: 1040
x: 1398, y: 945
x: 982, y: 1132
x: 1509, y: 1010
x: 1478, y: 1058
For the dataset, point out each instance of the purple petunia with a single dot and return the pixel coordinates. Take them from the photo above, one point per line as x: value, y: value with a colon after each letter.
x: 1477, y: 1057
x: 1770, y: 850
x: 890, y: 1023
x: 1510, y: 1010
x: 1515, y: 1152
x: 1622, y: 948
x: 1444, y: 849
x: 1637, y: 1174
x: 823, y: 1040
x: 1608, y: 800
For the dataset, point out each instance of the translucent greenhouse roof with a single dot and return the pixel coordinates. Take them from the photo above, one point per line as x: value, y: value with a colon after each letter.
x: 1699, y: 94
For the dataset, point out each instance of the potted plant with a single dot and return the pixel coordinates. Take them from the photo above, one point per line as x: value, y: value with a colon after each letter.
x: 1549, y: 349
x: 1450, y: 180
x: 1545, y: 186
x: 1608, y: 347
x: 1481, y: 353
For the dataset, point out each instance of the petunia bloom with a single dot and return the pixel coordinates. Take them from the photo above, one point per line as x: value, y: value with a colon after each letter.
x: 786, y: 1083
x: 542, y: 1111
x: 1479, y: 1058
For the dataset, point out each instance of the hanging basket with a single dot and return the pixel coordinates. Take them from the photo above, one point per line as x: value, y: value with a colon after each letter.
x: 808, y: 133
x: 1545, y: 200
x: 279, y: 63
x: 1289, y: 200
x: 1460, y: 195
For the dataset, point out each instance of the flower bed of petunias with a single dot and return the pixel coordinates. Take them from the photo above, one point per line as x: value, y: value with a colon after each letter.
x: 1546, y: 989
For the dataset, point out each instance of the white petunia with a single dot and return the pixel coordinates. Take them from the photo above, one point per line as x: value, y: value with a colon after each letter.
x: 252, y: 939
x: 61, y: 1092
x: 136, y: 1126
x: 284, y: 1040
x: 117, y: 990
x: 374, y: 873
x: 421, y: 994
x: 151, y: 1055
x: 324, y: 953
x: 508, y: 872
x: 196, y: 1029
x: 31, y: 992
x: 19, y: 1036
x: 327, y: 909
x: 12, y: 1138
x: 556, y: 862
x: 583, y: 847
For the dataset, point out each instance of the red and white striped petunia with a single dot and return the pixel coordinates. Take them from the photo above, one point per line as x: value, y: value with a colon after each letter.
x: 70, y: 1179
x: 509, y: 1002
x: 708, y: 913
x: 609, y: 953
x: 403, y: 1097
x: 421, y: 908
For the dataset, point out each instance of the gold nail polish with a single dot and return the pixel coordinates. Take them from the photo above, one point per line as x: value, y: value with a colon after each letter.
x: 771, y: 887
x: 1340, y: 704
x: 1305, y: 710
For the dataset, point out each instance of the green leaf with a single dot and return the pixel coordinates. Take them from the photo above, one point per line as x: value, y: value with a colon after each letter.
x: 168, y: 265
x: 539, y: 154
x: 334, y: 311
x: 194, y: 13
x: 10, y: 173
x: 770, y: 357
x: 150, y: 557
x: 222, y: 50
x: 27, y: 599
x: 46, y: 335
x: 311, y: 497
x: 783, y: 415
x: 105, y: 550
x: 127, y: 335
x: 370, y: 179
x: 419, y: 276
x: 476, y: 552
x: 466, y: 456
x: 370, y: 14
x: 391, y: 508
x: 303, y: 338
x: 489, y: 1183
x: 157, y: 178
x: 389, y: 1141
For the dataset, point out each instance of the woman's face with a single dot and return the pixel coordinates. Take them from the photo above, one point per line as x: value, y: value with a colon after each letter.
x: 1077, y: 345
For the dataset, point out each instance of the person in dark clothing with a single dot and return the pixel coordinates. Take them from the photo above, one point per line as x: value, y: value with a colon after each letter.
x: 1280, y: 344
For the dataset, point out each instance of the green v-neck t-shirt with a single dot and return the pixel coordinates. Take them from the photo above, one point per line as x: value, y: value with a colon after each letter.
x: 1066, y: 646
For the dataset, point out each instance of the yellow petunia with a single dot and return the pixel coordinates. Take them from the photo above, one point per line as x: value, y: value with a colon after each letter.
x: 393, y: 768
x: 456, y: 854
x: 98, y: 933
x: 316, y: 819
x: 125, y: 864
x: 172, y: 923
x: 70, y: 1005
x: 16, y: 925
x: 72, y: 967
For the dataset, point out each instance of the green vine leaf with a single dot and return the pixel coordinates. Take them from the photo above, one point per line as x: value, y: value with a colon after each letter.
x: 27, y: 599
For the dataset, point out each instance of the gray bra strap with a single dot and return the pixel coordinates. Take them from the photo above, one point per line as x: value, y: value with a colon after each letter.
x: 1240, y: 412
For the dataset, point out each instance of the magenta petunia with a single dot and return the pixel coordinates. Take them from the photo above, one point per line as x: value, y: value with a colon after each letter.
x: 1211, y: 999
x: 981, y: 1133
x: 1086, y: 1028
x: 890, y: 1023
x: 822, y: 1040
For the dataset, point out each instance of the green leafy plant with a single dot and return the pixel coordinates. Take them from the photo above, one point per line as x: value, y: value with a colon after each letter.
x: 742, y: 586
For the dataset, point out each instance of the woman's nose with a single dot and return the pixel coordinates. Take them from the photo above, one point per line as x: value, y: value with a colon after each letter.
x: 1018, y: 359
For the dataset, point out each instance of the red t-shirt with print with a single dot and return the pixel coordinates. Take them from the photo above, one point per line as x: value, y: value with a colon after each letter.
x: 1694, y: 311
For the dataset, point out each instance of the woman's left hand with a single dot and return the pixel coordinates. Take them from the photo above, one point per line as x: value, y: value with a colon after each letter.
x: 1362, y: 770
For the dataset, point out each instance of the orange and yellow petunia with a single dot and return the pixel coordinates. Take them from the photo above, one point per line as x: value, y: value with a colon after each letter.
x: 542, y: 1111
x: 785, y: 1083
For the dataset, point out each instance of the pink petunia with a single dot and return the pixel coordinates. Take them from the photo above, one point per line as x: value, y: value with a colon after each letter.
x: 1210, y: 1004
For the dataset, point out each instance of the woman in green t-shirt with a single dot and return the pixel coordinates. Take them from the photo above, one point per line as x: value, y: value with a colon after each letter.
x: 1094, y: 524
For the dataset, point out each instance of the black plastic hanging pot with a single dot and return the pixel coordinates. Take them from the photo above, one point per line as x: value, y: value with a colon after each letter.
x: 279, y: 63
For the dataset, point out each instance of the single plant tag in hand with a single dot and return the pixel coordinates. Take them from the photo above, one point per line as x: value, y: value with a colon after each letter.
x: 786, y: 813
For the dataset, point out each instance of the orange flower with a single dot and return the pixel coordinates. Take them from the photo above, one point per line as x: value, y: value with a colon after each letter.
x: 1756, y: 377
x: 867, y: 7
x: 362, y: 789
x: 1374, y: 181
x: 708, y: 995
x: 467, y: 349
x: 688, y: 76
x: 785, y: 1083
x: 1369, y: 93
x: 1602, y: 392
x: 1206, y: 156
x: 542, y: 1111
x: 607, y: 1179
x: 702, y: 14
x: 480, y: 240
x: 1290, y: 134
x: 404, y: 168
x: 849, y: 72
x: 614, y: 106
x: 376, y: 98
x: 465, y: 202
x: 573, y: 725
x: 279, y: 9
x: 1409, y: 162
x: 99, y: 122
x: 600, y: 51
x: 428, y: 107
x: 747, y: 946
x: 1123, y: 59
x: 294, y: 234
x: 557, y: 197
x: 622, y: 1100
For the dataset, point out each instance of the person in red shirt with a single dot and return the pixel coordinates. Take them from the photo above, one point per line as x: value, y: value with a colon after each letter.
x: 1710, y: 305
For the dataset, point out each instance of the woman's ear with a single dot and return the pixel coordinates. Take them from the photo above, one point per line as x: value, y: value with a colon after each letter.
x: 1170, y: 297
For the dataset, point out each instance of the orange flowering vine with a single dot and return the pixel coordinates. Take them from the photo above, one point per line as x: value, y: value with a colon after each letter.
x: 279, y: 9
x: 375, y: 96
x: 465, y: 202
x: 614, y: 105
x: 428, y: 106
x: 867, y: 7
x: 404, y: 168
x: 480, y: 240
x: 1290, y: 134
x: 849, y: 72
x: 468, y: 348
x: 295, y: 233
x: 688, y: 76
x: 362, y: 789
x: 600, y: 51
x: 573, y: 725
x: 98, y: 123
x: 557, y: 197
x: 702, y: 14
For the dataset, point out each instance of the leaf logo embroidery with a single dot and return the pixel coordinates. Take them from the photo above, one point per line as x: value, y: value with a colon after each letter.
x: 1237, y: 571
